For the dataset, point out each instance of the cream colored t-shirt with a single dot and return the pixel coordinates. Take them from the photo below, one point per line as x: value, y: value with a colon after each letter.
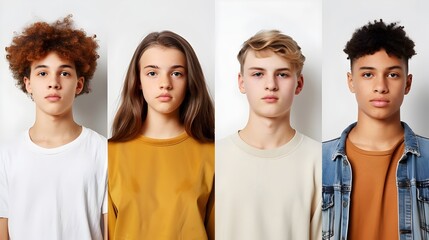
x: 268, y: 194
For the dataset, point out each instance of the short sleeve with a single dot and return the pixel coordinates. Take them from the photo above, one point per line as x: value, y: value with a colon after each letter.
x: 210, y: 215
x: 316, y: 219
x: 4, y: 190
x: 316, y: 223
x: 104, y: 207
x: 105, y: 198
x: 111, y: 218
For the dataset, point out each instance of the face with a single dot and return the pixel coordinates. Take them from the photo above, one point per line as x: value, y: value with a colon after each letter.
x: 163, y: 79
x: 379, y: 82
x: 270, y: 84
x: 53, y: 84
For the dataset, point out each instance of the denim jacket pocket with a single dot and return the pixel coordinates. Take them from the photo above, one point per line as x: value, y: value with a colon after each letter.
x: 328, y: 212
x: 423, y: 207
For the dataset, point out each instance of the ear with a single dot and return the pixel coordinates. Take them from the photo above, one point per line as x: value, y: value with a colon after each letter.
x: 408, y: 83
x: 27, y: 85
x: 300, y: 85
x: 241, y: 83
x: 79, y: 85
x: 350, y: 82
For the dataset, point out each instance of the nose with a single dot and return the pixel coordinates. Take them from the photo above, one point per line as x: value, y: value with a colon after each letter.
x: 380, y: 85
x: 271, y: 84
x: 165, y: 83
x: 54, y: 82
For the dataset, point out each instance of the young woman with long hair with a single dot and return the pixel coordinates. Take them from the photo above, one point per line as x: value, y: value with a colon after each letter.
x: 161, y: 153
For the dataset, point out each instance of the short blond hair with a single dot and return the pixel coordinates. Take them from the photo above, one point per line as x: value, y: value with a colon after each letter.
x: 281, y: 44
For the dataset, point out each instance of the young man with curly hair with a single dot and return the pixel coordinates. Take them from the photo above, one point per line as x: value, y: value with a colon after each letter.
x: 376, y: 175
x: 53, y: 176
x: 268, y: 174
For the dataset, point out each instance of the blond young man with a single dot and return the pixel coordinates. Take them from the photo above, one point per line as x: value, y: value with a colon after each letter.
x: 268, y: 174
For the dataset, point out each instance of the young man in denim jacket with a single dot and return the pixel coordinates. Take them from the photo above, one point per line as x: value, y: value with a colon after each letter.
x: 376, y: 175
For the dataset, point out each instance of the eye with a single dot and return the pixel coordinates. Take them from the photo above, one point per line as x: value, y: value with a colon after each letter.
x: 176, y: 74
x: 65, y: 74
x: 283, y: 75
x: 257, y: 74
x: 42, y: 74
x: 393, y: 75
x: 151, y: 74
x: 367, y: 75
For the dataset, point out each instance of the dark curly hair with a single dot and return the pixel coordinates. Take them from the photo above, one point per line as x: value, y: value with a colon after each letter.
x: 377, y: 35
x: 41, y: 38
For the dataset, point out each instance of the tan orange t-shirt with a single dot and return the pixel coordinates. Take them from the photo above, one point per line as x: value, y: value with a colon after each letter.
x: 374, y: 200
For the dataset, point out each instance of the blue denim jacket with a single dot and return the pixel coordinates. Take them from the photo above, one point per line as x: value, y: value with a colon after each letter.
x: 412, y: 180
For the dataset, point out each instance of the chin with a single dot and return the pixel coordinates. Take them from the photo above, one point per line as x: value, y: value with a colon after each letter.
x: 271, y: 115
x: 382, y: 117
x: 56, y: 112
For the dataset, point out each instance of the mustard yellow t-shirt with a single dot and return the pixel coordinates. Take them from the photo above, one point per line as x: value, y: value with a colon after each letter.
x: 161, y: 189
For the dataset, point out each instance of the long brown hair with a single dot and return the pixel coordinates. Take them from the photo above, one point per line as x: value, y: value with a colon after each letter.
x: 196, y: 110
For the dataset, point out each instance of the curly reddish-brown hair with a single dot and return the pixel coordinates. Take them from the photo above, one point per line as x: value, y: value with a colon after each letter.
x: 41, y: 38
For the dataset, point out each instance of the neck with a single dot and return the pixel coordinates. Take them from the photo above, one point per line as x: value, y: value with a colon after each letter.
x: 54, y: 131
x: 267, y: 133
x: 376, y: 135
x: 162, y: 126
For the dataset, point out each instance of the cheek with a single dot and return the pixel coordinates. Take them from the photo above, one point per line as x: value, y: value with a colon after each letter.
x: 253, y: 86
x: 362, y: 89
x: 147, y: 86
x: 251, y: 92
x: 145, y: 91
x: 362, y: 98
x: 35, y: 88
x: 181, y: 87
x: 289, y: 86
x: 402, y: 88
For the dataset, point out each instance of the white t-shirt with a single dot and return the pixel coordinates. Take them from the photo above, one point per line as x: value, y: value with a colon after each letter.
x: 57, y: 193
x: 270, y: 194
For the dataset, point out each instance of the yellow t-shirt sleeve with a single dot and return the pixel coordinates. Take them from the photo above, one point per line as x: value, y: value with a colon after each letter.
x: 210, y: 215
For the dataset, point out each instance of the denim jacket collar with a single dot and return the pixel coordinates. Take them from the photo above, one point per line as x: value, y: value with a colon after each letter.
x: 411, y: 145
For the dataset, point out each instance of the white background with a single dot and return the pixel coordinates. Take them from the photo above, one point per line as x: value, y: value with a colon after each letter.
x: 122, y: 26
x: 236, y: 21
x: 17, y: 111
x: 340, y: 20
x: 130, y: 23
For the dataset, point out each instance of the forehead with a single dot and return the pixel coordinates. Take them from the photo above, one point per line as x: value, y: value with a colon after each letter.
x: 265, y: 59
x: 378, y: 60
x: 53, y: 60
x: 162, y: 56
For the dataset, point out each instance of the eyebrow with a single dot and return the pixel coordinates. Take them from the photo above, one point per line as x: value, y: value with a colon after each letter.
x: 263, y: 69
x: 283, y: 69
x: 177, y: 66
x: 151, y: 66
x: 373, y: 68
x: 157, y: 67
x: 46, y: 66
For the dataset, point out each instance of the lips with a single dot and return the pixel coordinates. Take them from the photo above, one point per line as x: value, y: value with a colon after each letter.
x: 164, y: 97
x: 270, y: 99
x: 379, y: 102
x: 53, y: 97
